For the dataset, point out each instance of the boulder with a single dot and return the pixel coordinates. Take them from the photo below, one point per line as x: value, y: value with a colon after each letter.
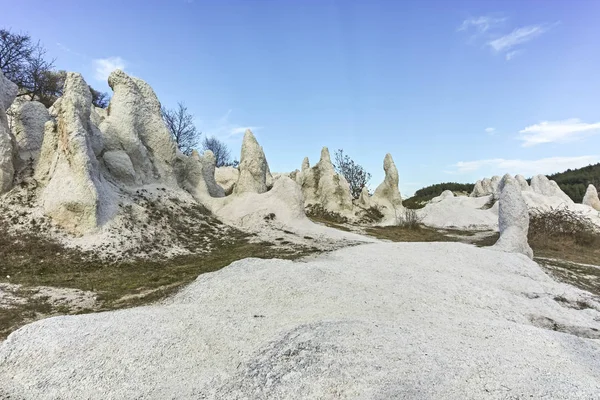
x: 321, y: 185
x: 542, y: 185
x: 27, y: 124
x: 227, y: 177
x: 591, y: 198
x: 387, y: 193
x: 8, y: 92
x: 513, y: 219
x: 74, y: 191
x: 134, y: 125
x: 253, y: 167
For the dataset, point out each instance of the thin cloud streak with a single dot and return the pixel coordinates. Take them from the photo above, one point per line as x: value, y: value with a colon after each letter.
x: 516, y: 37
x: 481, y: 24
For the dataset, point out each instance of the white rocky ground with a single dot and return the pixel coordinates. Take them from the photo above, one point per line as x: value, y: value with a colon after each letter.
x: 378, y: 321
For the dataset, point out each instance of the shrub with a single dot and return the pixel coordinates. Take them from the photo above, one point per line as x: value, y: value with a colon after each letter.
x: 370, y: 215
x: 554, y: 227
x: 408, y: 218
x: 316, y: 211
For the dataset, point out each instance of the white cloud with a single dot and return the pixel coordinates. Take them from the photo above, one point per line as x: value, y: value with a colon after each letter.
x: 557, y: 131
x: 490, y: 130
x: 104, y: 66
x: 516, y: 37
x: 511, y: 54
x: 224, y: 129
x: 481, y: 24
x: 500, y: 166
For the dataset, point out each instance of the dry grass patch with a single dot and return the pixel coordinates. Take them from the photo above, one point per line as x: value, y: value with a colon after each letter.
x: 564, y: 234
x: 32, y: 261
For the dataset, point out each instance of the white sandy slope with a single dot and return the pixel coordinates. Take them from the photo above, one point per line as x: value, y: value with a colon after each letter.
x: 376, y: 321
x: 460, y: 212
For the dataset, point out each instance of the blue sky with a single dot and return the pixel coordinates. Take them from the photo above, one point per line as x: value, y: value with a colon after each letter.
x: 455, y: 90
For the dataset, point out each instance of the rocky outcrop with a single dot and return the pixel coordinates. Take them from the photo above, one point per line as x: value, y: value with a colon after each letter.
x: 27, y: 120
x: 227, y: 177
x: 542, y: 185
x: 387, y: 193
x: 591, y: 198
x: 135, y: 126
x: 523, y: 183
x: 197, y: 175
x: 322, y: 186
x: 364, y: 200
x: 484, y: 187
x: 8, y: 92
x: 446, y: 194
x: 253, y: 167
x: 513, y: 219
x: 73, y: 189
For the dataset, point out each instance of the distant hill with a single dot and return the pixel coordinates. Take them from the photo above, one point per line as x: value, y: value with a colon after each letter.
x: 425, y: 194
x: 574, y: 182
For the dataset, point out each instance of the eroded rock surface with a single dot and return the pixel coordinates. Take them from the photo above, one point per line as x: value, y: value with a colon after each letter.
x: 542, y: 185
x: 73, y: 187
x: 591, y: 197
x: 134, y: 125
x: 8, y: 92
x: 513, y: 219
x: 253, y: 167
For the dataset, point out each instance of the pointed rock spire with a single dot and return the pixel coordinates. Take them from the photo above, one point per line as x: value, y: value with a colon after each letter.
x: 591, y: 197
x: 253, y: 166
x: 513, y: 219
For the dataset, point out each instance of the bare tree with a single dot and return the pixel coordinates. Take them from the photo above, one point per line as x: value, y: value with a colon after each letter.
x: 181, y: 124
x: 99, y: 99
x: 24, y: 62
x: 220, y: 150
x: 15, y: 51
x: 355, y: 174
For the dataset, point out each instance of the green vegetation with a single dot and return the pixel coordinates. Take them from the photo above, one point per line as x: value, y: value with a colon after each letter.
x: 574, y: 182
x: 425, y: 194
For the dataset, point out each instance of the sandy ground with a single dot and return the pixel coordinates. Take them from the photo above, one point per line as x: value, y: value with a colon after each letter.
x: 376, y: 321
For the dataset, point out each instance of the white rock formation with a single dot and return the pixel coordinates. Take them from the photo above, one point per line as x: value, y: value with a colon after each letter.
x: 27, y: 120
x: 513, y: 219
x: 253, y: 167
x: 119, y: 165
x: 8, y: 92
x: 542, y: 185
x: 134, y: 125
x: 364, y: 200
x: 591, y: 198
x: 227, y: 177
x: 484, y: 187
x: 522, y: 183
x: 446, y: 194
x: 377, y: 321
x: 321, y: 185
x: 197, y: 176
x: 74, y: 190
x: 387, y: 193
